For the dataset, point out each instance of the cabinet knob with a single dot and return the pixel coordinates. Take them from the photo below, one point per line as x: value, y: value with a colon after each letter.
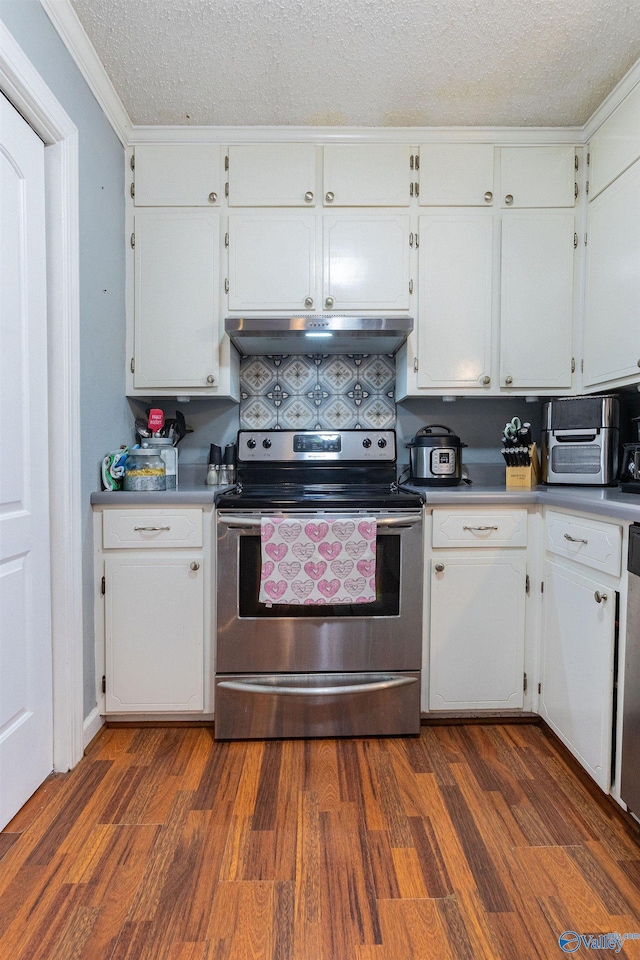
x: 508, y: 381
x: 639, y: 363
x: 213, y: 197
x: 211, y: 378
x: 600, y: 597
x: 308, y: 197
x: 308, y: 301
x: 194, y: 565
x: 488, y: 197
x: 508, y: 199
x: 439, y: 567
x: 329, y: 302
x: 329, y: 197
x: 486, y: 381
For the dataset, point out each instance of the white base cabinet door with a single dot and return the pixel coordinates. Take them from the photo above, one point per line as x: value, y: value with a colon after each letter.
x: 154, y: 624
x: 477, y: 631
x: 577, y: 666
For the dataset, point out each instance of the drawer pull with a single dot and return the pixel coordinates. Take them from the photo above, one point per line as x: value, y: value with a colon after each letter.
x: 479, y: 528
x: 600, y: 597
x: 574, y: 539
x: 151, y: 529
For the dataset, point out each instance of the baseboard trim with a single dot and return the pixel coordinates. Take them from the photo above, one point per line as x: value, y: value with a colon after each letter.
x: 91, y: 727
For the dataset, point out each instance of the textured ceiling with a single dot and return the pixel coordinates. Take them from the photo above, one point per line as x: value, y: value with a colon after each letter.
x: 363, y: 62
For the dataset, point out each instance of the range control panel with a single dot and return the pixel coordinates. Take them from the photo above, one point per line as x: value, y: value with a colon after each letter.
x: 305, y: 446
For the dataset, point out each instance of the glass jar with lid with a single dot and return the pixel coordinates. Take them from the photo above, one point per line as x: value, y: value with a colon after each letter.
x: 144, y: 470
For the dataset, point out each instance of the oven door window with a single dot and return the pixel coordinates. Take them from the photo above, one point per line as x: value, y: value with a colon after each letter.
x: 387, y: 602
x: 577, y: 458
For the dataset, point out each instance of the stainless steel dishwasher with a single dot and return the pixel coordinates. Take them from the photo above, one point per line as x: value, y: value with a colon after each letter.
x: 630, y: 777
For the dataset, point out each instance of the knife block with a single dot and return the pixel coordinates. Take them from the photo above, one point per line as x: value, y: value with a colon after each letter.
x: 524, y: 478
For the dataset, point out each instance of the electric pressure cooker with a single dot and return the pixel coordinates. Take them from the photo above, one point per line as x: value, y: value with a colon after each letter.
x: 436, y: 457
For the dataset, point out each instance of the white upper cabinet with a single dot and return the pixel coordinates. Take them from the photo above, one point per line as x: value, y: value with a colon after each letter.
x: 177, y: 175
x: 176, y: 299
x: 272, y: 261
x: 366, y: 262
x: 272, y: 175
x: 615, y: 145
x: 456, y: 174
x: 612, y: 300
x: 536, y: 317
x: 455, y: 303
x: 537, y: 176
x: 366, y: 175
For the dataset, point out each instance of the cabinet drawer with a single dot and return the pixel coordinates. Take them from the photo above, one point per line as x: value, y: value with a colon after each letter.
x: 495, y: 528
x: 591, y: 542
x: 151, y: 528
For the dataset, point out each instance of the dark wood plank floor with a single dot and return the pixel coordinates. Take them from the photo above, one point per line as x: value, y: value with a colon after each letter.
x: 469, y: 843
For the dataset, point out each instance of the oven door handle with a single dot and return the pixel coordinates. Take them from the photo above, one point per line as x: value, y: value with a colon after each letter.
x: 244, y: 686
x: 254, y: 522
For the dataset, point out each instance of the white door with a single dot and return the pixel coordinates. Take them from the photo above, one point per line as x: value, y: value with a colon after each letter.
x: 272, y: 175
x: 177, y: 175
x: 537, y: 176
x: 366, y: 262
x: 456, y: 175
x: 26, y: 724
x: 366, y: 175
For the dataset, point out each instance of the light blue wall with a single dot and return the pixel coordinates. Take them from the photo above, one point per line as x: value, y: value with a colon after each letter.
x: 105, y: 415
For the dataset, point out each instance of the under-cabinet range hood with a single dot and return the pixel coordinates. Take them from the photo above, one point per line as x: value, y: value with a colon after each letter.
x: 299, y: 335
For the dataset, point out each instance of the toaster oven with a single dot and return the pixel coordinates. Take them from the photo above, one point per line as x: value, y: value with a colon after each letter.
x: 580, y: 440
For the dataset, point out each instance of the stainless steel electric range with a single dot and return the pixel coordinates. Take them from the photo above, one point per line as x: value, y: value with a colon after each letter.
x: 301, y: 669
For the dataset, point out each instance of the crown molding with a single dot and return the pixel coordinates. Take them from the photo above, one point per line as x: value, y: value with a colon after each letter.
x: 73, y: 35
x: 153, y: 133
x: 630, y: 80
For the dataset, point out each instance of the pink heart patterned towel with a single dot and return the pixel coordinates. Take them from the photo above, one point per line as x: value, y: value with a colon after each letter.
x: 326, y: 560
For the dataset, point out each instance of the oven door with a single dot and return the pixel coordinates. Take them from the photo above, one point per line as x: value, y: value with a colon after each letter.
x: 290, y: 639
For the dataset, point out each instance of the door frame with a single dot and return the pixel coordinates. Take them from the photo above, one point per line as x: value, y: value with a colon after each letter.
x: 24, y: 87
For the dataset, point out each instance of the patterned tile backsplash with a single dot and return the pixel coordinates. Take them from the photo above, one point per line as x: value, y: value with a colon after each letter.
x: 317, y: 392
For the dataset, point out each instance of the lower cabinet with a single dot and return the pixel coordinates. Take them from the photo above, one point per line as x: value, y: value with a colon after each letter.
x: 578, y: 644
x: 478, y: 583
x: 154, y: 566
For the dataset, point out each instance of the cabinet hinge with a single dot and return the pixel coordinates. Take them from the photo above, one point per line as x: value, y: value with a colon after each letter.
x: 410, y: 239
x: 582, y: 365
x: 132, y: 190
x: 585, y: 239
x: 587, y: 188
x: 103, y: 586
x: 415, y: 364
x: 410, y: 286
x: 132, y: 365
x: 226, y: 239
x: 104, y: 684
x: 539, y: 688
x: 575, y: 241
x: 588, y: 159
x: 417, y: 240
x: 417, y: 186
x: 576, y: 162
x: 226, y: 163
x: 226, y: 190
x: 132, y: 162
x: 576, y: 190
x: 226, y: 286
x: 417, y: 161
x: 524, y: 683
x: 411, y: 160
x: 411, y: 189
x: 527, y: 584
x: 573, y: 364
x: 542, y: 586
x: 133, y: 239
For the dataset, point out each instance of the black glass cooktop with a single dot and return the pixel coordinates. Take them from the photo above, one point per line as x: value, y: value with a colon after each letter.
x: 310, y: 496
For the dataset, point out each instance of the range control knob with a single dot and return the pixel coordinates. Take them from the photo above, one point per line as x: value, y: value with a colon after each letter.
x: 382, y: 443
x: 251, y: 443
x: 366, y: 443
x: 266, y: 443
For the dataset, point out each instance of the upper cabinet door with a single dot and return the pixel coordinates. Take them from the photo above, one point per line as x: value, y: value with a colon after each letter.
x: 536, y: 318
x: 537, y: 176
x: 615, y: 145
x: 177, y: 175
x: 612, y: 298
x: 455, y: 313
x: 456, y: 174
x: 176, y: 299
x: 366, y: 263
x: 272, y: 261
x: 272, y: 175
x: 367, y: 175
